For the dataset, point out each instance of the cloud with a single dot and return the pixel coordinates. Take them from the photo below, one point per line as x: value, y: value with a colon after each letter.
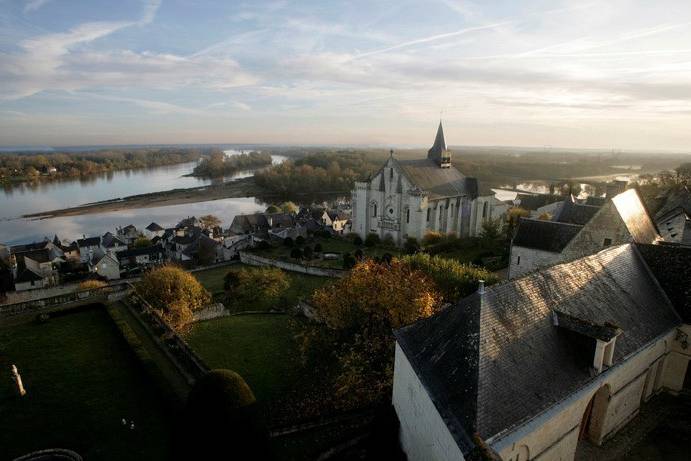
x: 33, y: 5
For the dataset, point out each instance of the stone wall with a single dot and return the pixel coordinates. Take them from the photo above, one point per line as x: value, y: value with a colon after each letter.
x: 210, y: 312
x: 606, y: 224
x: 254, y: 260
x: 524, y: 260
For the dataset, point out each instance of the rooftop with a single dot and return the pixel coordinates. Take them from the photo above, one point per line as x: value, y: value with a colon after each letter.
x: 544, y: 235
x: 491, y: 362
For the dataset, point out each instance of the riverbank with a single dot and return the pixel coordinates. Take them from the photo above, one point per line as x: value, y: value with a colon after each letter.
x: 245, y: 187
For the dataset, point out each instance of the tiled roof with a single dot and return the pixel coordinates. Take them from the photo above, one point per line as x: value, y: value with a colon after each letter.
x: 428, y: 176
x: 544, y: 235
x: 492, y: 362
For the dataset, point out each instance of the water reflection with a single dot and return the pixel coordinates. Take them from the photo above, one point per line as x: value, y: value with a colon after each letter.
x: 13, y: 231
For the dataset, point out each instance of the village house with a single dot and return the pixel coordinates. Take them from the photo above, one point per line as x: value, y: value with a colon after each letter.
x: 409, y: 198
x: 540, y: 366
x: 88, y: 247
x: 128, y: 234
x: 105, y: 264
x: 673, y: 216
x: 261, y: 223
x: 141, y: 257
x: 35, y: 265
x: 112, y: 244
x: 539, y: 243
x: 153, y: 230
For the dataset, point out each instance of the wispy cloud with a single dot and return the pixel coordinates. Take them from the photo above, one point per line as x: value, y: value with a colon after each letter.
x: 33, y: 5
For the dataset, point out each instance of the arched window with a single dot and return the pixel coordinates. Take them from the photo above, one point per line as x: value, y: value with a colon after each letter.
x: 391, y: 174
x: 428, y: 210
x: 374, y: 210
x: 407, y: 215
x: 485, y: 207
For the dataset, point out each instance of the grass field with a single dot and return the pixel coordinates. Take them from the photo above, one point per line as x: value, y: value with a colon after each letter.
x: 81, y: 381
x: 301, y: 286
x: 258, y: 347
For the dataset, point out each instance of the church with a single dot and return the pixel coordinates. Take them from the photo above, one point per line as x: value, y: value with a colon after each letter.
x: 409, y: 198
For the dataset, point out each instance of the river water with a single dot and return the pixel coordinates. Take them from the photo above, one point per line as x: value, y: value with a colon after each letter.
x: 50, y: 195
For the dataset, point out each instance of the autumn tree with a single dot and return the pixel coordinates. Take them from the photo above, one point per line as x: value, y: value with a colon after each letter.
x: 210, y: 221
x: 174, y: 293
x: 142, y: 242
x: 358, y: 314
x: 255, y: 288
x: 289, y: 207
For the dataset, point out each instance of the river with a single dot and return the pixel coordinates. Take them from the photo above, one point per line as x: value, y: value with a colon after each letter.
x: 49, y: 195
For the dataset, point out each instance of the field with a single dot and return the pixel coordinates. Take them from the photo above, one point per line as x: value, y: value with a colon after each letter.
x: 81, y: 380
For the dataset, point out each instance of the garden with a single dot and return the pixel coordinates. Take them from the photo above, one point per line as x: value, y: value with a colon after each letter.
x: 82, y: 381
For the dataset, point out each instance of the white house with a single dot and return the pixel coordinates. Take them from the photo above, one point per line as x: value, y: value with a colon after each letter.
x: 408, y: 198
x: 539, y: 366
x: 153, y: 230
x: 106, y: 265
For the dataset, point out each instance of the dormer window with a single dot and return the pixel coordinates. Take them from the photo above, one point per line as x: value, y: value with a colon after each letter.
x: 596, y: 340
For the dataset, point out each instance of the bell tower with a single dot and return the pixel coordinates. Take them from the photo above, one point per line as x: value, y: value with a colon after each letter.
x: 438, y: 152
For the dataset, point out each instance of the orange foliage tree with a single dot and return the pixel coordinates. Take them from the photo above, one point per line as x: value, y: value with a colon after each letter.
x: 357, y: 317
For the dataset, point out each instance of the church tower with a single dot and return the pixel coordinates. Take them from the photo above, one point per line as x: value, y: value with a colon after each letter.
x: 438, y: 152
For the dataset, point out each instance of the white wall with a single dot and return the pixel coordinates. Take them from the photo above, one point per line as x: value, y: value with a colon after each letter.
x: 553, y: 434
x: 524, y: 260
x: 423, y: 434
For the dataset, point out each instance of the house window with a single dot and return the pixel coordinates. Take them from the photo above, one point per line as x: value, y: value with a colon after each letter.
x: 407, y: 215
x: 428, y: 210
x: 607, y: 242
x: 518, y: 261
x: 484, y: 210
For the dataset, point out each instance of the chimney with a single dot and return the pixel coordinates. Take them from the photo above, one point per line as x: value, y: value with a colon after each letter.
x: 481, y: 287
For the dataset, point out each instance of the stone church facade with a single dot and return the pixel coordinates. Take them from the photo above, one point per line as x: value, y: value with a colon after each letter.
x: 409, y: 198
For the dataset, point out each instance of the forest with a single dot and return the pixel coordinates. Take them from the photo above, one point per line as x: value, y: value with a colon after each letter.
x: 218, y: 164
x: 15, y: 168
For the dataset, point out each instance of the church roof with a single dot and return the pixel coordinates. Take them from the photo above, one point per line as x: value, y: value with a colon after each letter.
x: 491, y: 362
x: 439, y: 145
x: 438, y: 182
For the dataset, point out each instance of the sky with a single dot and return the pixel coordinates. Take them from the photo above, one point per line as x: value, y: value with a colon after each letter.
x: 600, y: 74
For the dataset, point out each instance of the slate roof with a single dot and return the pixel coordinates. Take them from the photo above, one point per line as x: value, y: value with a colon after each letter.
x: 428, y: 176
x: 635, y: 215
x: 544, y: 235
x: 595, y: 201
x: 534, y: 201
x: 575, y: 213
x: 439, y: 145
x: 150, y: 250
x: 491, y: 362
x: 153, y: 227
x: 680, y: 198
x: 27, y: 275
x: 40, y: 256
x: 109, y: 241
x: 89, y: 242
x: 671, y: 266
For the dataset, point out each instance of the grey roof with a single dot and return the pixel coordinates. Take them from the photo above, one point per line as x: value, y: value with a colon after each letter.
x: 535, y: 201
x: 493, y: 361
x: 428, y: 176
x: 150, y: 250
x: 635, y: 216
x: 595, y: 201
x: 678, y: 198
x: 575, y: 213
x: 40, y: 256
x: 153, y: 227
x: 89, y: 242
x: 671, y: 266
x: 544, y: 235
x: 109, y: 241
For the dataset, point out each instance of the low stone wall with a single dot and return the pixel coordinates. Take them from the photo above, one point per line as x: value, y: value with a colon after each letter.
x: 210, y: 312
x: 254, y: 260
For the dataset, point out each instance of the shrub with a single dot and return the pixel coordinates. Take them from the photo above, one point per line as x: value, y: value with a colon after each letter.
x: 263, y: 245
x: 296, y: 253
x: 432, y: 238
x: 359, y: 254
x: 372, y: 240
x: 288, y: 242
x: 357, y: 240
x: 388, y: 241
x: 348, y: 261
x: 307, y: 252
x: 318, y: 248
x: 455, y: 280
x: 92, y: 284
x: 411, y: 246
x: 255, y: 288
x: 300, y: 240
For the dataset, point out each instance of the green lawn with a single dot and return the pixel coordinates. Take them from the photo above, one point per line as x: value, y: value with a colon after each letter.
x: 258, y: 347
x: 333, y: 244
x: 301, y: 286
x: 81, y: 381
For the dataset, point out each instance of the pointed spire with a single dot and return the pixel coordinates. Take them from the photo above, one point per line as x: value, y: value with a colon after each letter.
x: 439, y: 152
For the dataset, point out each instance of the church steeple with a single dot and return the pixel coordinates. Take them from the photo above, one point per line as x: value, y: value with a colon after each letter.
x: 439, y: 152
